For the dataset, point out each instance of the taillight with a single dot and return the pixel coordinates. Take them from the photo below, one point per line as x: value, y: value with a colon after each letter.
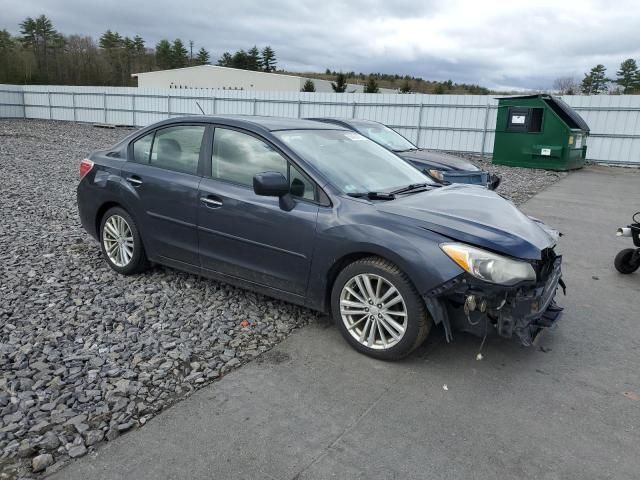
x: 85, y: 167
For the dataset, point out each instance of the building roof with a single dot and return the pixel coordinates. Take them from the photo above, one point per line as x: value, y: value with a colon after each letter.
x: 215, y: 67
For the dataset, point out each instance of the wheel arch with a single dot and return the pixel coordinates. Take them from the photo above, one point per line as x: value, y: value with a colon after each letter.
x: 104, y: 208
x: 340, y: 263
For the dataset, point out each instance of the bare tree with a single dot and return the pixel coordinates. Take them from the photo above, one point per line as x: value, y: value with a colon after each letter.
x: 566, y: 85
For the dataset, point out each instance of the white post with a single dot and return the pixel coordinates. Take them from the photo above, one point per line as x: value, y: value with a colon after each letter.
x: 73, y: 102
x: 50, y: 107
x: 133, y: 108
x: 104, y: 106
x: 484, y: 130
x: 419, y: 135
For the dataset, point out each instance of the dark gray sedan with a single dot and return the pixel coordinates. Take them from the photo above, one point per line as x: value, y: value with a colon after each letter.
x: 323, y: 217
x: 441, y: 167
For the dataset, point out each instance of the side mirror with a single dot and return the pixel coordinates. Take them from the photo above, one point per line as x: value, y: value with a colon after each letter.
x: 274, y: 184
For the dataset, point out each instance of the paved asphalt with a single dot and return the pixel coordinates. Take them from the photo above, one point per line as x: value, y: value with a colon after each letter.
x: 313, y: 408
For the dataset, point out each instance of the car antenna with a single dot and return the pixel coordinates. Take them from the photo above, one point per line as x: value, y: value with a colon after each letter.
x: 200, y: 108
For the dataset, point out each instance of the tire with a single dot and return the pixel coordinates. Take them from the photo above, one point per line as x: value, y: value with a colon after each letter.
x: 623, y: 261
x: 348, y: 305
x: 134, y: 259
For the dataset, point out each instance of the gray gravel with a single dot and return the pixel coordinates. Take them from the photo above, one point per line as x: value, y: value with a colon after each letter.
x: 518, y: 184
x: 87, y: 354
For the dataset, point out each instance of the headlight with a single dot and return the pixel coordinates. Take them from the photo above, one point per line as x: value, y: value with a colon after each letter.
x: 437, y: 174
x: 488, y: 266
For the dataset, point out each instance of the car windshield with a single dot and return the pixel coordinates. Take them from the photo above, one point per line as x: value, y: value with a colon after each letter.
x: 351, y: 162
x: 386, y: 137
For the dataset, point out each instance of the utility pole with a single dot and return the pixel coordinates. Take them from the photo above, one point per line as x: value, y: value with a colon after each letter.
x: 191, y: 52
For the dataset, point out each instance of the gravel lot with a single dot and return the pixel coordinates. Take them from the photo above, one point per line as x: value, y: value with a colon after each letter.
x: 86, y: 354
x: 518, y: 184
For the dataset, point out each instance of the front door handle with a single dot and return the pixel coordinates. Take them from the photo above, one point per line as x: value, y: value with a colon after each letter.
x: 134, y: 180
x: 211, y: 202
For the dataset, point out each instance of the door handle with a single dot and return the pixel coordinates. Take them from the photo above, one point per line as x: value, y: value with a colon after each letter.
x: 211, y: 202
x: 134, y: 180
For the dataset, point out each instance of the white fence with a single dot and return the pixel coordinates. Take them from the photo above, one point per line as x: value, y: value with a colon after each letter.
x: 463, y: 123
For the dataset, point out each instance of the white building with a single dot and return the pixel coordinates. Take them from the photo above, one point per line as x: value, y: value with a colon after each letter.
x: 224, y: 78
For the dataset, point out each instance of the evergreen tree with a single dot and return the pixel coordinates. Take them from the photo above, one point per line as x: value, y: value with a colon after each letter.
x: 309, y: 86
x: 112, y: 44
x: 163, y: 54
x: 340, y: 85
x: 202, y: 58
x: 595, y: 82
x: 629, y: 76
x: 39, y: 35
x: 138, y: 43
x: 179, y: 54
x: 371, y: 86
x: 268, y: 59
x: 240, y: 60
x: 254, y: 61
x: 226, y: 60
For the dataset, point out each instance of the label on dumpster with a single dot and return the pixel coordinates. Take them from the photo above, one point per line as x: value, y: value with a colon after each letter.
x: 545, y: 151
x: 518, y: 119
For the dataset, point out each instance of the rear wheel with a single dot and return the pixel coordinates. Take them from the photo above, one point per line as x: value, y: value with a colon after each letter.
x: 378, y: 310
x: 627, y: 261
x: 121, y: 243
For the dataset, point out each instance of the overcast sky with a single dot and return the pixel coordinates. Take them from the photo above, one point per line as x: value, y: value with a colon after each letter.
x: 498, y: 44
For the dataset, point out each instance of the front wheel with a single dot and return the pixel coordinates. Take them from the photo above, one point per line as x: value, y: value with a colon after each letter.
x: 378, y: 310
x: 627, y: 261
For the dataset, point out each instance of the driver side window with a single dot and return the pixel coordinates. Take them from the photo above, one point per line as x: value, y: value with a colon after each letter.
x: 237, y: 157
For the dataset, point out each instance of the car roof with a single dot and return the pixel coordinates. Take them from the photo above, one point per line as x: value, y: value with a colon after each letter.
x: 352, y: 123
x: 270, y: 124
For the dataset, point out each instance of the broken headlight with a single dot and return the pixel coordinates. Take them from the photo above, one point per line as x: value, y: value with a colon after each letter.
x: 489, y: 266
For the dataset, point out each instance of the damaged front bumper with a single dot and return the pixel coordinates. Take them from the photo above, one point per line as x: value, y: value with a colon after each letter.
x: 480, y: 308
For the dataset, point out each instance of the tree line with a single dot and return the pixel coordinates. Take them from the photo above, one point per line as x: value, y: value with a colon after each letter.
x: 42, y: 55
x: 596, y: 81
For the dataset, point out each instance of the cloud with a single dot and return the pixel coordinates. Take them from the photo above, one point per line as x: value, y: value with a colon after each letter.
x: 521, y: 44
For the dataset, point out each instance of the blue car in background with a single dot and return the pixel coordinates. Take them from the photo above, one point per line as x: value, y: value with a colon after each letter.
x: 318, y: 215
x: 441, y: 167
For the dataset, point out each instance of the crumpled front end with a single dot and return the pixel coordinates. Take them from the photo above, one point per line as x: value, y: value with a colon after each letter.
x: 524, y: 311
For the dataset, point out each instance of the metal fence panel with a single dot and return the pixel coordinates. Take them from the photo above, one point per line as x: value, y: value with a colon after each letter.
x: 463, y: 123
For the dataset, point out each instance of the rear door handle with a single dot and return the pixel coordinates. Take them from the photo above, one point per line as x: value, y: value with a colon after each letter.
x: 211, y: 201
x: 134, y: 180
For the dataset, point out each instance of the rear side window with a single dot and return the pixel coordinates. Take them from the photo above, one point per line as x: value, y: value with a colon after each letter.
x: 237, y: 157
x: 142, y: 148
x: 178, y: 148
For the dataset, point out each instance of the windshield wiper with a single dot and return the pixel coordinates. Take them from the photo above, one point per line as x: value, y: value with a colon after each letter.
x: 409, y: 188
x: 373, y: 195
x: 414, y: 149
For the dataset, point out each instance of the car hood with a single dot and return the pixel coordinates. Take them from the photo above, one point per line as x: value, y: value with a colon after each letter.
x: 476, y: 216
x: 437, y: 160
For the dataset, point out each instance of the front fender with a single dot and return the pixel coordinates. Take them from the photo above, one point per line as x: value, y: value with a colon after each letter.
x: 416, y: 253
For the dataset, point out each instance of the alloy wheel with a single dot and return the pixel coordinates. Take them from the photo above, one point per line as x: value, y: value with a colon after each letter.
x: 373, y: 311
x: 117, y: 238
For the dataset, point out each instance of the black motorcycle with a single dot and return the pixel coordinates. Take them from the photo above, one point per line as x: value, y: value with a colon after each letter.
x: 628, y: 260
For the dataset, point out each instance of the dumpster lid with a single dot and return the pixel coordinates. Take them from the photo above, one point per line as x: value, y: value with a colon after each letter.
x: 567, y: 114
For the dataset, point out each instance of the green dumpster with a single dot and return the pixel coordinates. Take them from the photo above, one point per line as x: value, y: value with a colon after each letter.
x: 539, y: 131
